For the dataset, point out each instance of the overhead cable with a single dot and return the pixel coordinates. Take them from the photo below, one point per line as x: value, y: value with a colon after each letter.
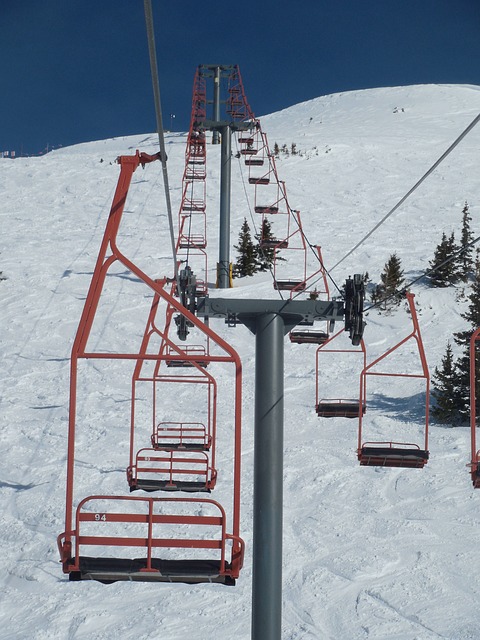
x: 160, y: 131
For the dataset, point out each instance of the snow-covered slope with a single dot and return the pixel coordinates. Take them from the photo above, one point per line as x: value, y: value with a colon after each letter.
x: 368, y: 553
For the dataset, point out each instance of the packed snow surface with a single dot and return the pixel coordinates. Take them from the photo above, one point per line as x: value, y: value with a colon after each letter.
x: 377, y: 553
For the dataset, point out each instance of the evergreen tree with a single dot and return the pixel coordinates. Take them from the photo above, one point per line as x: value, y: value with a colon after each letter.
x: 465, y: 260
x: 446, y: 391
x: 391, y: 280
x: 445, y: 269
x: 265, y: 255
x: 462, y: 338
x: 246, y: 264
x: 472, y: 315
x: 276, y: 149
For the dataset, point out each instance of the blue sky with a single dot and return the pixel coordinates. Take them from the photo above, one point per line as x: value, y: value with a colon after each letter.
x: 78, y: 70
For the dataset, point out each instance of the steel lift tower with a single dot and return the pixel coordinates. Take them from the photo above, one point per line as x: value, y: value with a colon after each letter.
x: 269, y: 321
x: 222, y: 129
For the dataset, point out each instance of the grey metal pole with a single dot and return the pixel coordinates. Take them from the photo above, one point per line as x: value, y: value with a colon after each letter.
x: 223, y: 273
x: 268, y: 479
x: 216, y: 103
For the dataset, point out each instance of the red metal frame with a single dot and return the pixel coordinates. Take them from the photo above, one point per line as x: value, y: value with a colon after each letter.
x: 189, y: 362
x: 109, y: 516
x: 389, y: 453
x: 270, y: 199
x: 171, y: 470
x: 72, y: 539
x: 475, y: 454
x: 178, y: 438
x: 339, y: 407
x: 237, y: 105
x: 192, y: 220
x: 181, y: 435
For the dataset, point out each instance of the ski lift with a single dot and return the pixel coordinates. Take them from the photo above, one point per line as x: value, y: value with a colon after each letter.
x: 181, y: 435
x: 392, y: 453
x: 339, y: 407
x: 138, y: 534
x: 191, y: 436
x: 313, y: 336
x: 173, y: 359
x: 171, y: 470
x: 103, y: 535
x: 308, y: 336
x: 261, y: 180
x: 296, y: 243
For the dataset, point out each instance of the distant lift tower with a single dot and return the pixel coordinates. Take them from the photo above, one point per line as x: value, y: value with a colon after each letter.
x: 222, y: 127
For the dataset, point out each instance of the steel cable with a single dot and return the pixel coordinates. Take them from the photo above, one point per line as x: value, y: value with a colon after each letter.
x: 415, y: 186
x: 160, y: 130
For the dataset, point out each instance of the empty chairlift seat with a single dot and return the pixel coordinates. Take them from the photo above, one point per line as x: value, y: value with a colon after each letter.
x: 273, y: 243
x: 392, y: 454
x: 339, y: 408
x: 272, y: 209
x: 254, y: 162
x: 194, y: 241
x: 263, y: 180
x: 171, y: 470
x: 151, y: 540
x: 308, y: 336
x: 289, y: 285
x: 181, y: 435
x: 197, y: 353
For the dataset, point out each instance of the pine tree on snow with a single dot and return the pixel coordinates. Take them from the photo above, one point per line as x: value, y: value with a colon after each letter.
x: 465, y: 260
x: 391, y: 280
x: 462, y: 338
x: 446, y: 391
x: 444, y: 267
x: 265, y: 254
x: 246, y: 264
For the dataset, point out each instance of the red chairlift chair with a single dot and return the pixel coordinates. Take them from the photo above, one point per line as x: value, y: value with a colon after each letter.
x: 296, y: 243
x: 313, y: 336
x: 171, y: 470
x: 169, y: 464
x: 339, y: 407
x: 392, y: 453
x: 109, y: 538
x: 181, y: 435
x: 138, y: 533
